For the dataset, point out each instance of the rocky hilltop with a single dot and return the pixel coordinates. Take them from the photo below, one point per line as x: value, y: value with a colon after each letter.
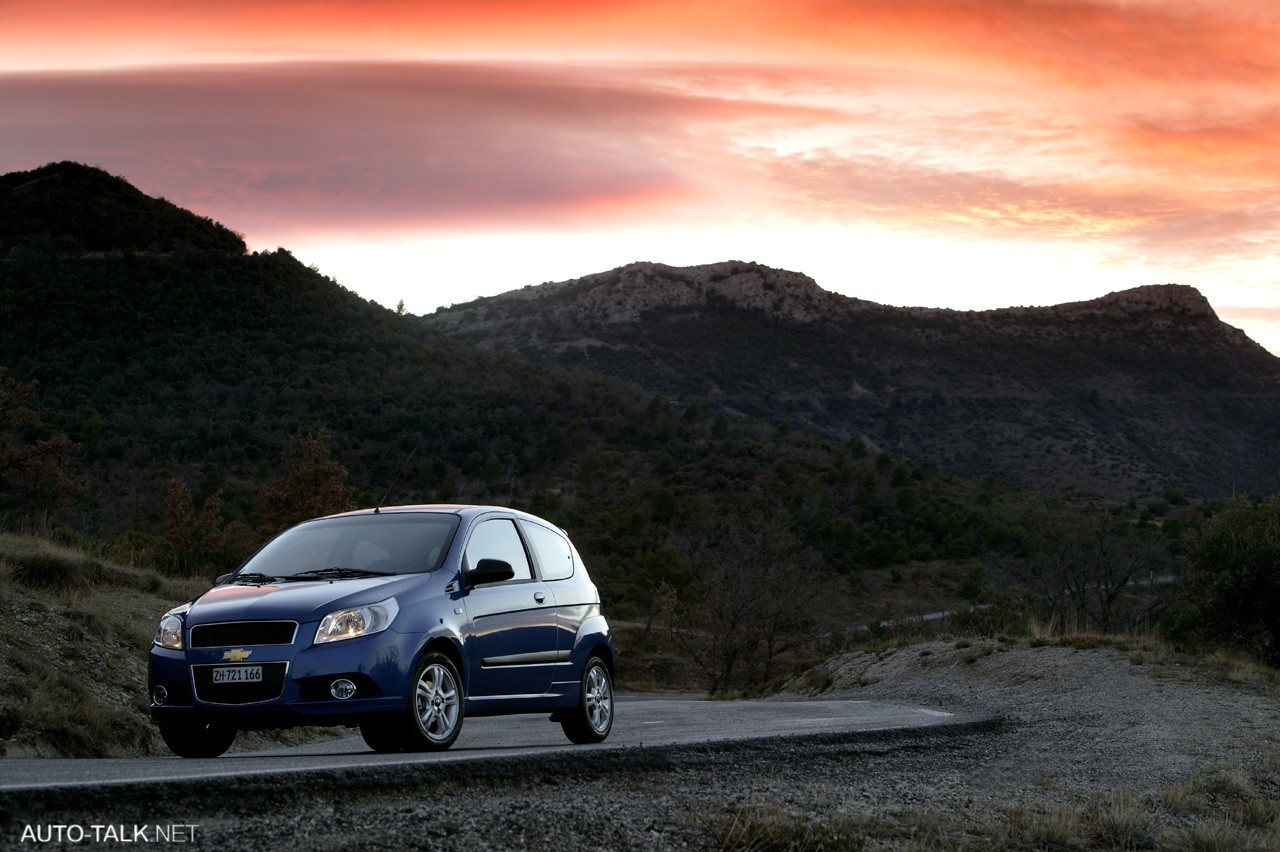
x: 1130, y: 394
x: 622, y: 296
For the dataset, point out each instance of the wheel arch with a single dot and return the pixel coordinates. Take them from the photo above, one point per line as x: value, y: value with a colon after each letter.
x: 604, y: 651
x: 593, y: 637
x: 449, y: 648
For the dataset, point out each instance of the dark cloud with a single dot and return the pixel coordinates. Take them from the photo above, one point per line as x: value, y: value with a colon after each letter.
x: 368, y: 144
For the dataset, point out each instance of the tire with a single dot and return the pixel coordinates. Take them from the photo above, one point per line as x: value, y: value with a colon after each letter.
x: 436, y: 705
x: 592, y: 719
x: 197, y: 739
x: 385, y: 735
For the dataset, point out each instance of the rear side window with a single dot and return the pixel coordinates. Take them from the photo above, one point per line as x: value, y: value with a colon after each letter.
x: 555, y: 557
x: 498, y: 539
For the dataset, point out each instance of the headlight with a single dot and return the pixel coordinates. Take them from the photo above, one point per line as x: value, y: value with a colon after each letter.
x: 357, y: 621
x: 169, y: 633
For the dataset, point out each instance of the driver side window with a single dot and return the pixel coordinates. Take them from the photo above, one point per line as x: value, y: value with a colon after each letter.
x: 498, y: 539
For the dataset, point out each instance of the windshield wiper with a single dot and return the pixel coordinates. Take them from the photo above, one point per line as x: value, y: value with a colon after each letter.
x: 340, y: 573
x: 255, y: 579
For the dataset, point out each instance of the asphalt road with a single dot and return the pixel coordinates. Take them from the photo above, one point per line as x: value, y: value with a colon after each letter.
x: 642, y: 721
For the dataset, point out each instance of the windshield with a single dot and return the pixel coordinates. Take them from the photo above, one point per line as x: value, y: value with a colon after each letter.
x: 359, y: 546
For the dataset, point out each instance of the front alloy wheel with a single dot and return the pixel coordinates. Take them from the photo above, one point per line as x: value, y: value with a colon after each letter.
x: 592, y: 719
x: 436, y: 704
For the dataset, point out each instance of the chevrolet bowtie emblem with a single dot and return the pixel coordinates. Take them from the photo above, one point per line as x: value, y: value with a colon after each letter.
x: 235, y: 655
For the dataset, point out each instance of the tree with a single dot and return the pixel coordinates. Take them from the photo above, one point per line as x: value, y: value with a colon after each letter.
x: 314, y: 483
x: 1082, y: 559
x: 1232, y: 581
x: 661, y: 573
x: 202, y: 539
x: 192, y: 535
x: 33, y: 469
x: 749, y: 602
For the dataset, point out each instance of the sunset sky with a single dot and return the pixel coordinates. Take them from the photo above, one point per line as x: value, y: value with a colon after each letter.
x: 945, y: 153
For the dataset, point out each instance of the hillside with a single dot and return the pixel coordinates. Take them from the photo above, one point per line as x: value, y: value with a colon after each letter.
x: 1131, y: 394
x: 202, y: 366
x: 70, y: 208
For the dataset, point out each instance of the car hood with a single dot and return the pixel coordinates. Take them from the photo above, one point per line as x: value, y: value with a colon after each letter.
x: 301, y: 602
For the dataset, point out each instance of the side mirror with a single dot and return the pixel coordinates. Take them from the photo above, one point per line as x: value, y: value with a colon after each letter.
x: 490, y: 571
x: 222, y: 579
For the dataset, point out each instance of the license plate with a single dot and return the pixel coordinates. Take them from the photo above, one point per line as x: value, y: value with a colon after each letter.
x: 238, y: 674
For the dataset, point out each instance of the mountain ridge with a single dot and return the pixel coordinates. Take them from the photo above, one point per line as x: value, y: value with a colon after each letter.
x: 1102, y: 387
x: 624, y: 294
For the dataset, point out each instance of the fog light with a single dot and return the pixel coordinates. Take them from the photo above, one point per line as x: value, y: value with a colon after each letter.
x: 159, y: 695
x: 342, y: 689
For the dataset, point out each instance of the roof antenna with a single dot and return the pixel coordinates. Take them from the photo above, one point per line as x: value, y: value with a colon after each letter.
x: 378, y: 508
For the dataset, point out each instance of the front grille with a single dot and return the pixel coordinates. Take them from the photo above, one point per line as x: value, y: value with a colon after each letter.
x: 270, y: 687
x: 240, y: 633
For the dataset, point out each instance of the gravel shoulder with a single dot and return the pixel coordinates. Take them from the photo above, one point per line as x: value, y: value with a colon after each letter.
x: 1097, y: 719
x: 1100, y: 748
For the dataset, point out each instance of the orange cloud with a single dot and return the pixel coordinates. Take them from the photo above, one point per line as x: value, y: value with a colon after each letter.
x: 1089, y: 42
x: 1213, y: 151
x: 1095, y: 43
x: 933, y: 199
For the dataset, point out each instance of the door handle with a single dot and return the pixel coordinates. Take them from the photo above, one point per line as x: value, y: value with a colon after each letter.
x: 539, y: 597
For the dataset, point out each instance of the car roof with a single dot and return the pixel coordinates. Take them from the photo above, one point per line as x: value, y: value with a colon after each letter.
x: 465, y: 510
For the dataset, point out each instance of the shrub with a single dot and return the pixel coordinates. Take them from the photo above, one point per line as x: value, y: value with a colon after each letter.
x: 1232, y: 587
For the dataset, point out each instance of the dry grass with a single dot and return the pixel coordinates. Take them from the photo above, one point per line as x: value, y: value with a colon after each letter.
x: 1182, y: 799
x: 1122, y: 822
x: 65, y: 711
x: 1043, y: 827
x: 1220, y: 835
x: 1235, y: 668
x: 991, y: 628
x: 76, y: 628
x: 769, y: 827
x: 648, y: 663
x: 43, y: 565
x: 1147, y: 647
x: 1221, y: 808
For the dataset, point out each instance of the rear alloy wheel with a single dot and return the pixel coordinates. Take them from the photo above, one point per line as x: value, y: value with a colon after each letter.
x: 592, y: 719
x: 436, y: 706
x: 197, y: 739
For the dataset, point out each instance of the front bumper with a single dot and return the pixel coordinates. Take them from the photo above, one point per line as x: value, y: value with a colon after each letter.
x: 291, y: 686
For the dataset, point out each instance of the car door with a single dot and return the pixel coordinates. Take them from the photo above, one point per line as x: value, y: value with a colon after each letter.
x: 511, y: 643
x: 554, y: 556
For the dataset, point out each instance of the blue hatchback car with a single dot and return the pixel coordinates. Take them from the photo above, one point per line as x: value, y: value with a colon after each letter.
x: 401, y: 621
